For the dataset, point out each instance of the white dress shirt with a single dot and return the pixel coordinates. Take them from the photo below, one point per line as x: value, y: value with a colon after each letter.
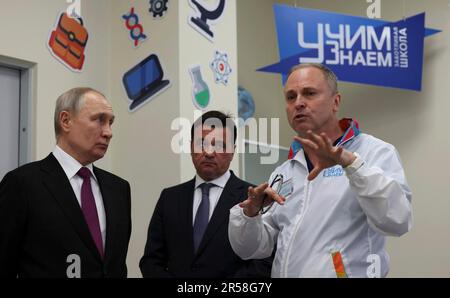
x: 71, y: 167
x: 214, y: 193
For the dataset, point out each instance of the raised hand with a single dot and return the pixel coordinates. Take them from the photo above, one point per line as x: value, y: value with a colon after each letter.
x: 325, y: 153
x: 258, y: 197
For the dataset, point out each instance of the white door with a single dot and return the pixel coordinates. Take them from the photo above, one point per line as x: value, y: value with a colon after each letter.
x: 9, y: 119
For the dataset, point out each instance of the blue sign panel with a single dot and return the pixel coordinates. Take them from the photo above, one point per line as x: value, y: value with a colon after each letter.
x: 357, y: 49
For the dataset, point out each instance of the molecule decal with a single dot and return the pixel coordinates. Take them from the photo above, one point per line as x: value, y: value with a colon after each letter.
x: 136, y: 29
x: 221, y: 68
x: 158, y: 7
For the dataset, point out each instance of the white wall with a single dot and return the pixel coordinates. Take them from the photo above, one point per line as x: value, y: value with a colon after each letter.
x: 415, y: 122
x: 196, y: 49
x: 141, y: 152
x: 257, y: 47
x: 25, y: 28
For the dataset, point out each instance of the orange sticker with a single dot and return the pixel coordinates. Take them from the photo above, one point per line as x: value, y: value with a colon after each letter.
x: 339, y: 265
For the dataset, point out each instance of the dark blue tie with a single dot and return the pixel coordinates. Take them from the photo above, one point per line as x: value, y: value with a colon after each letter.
x: 202, y: 216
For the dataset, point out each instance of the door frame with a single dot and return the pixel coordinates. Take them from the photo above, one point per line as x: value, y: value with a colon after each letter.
x: 27, y: 131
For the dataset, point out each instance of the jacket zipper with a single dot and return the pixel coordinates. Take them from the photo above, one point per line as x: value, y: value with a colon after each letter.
x: 297, y: 226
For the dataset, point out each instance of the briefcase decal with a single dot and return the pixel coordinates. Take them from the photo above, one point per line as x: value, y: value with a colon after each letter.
x: 68, y: 42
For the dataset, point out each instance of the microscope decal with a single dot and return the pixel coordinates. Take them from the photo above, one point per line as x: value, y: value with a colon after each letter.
x: 205, y: 17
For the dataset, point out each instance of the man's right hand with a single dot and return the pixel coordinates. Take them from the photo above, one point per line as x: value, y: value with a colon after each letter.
x: 260, y: 195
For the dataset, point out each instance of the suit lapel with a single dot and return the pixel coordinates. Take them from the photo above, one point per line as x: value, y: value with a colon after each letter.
x: 55, y: 180
x: 112, y: 219
x: 222, y: 211
x: 185, y: 214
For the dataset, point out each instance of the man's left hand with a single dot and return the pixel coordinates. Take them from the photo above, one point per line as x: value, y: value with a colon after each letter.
x: 326, y: 154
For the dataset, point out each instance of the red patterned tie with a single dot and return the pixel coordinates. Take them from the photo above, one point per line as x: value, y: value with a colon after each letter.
x: 89, y: 209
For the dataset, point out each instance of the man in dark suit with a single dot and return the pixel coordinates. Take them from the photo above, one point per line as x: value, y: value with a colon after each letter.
x: 188, y: 232
x: 61, y: 216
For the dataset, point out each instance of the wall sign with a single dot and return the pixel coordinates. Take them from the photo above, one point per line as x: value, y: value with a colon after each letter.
x: 357, y: 49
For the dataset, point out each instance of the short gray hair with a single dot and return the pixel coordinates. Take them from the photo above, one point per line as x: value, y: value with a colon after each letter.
x: 70, y: 101
x: 328, y: 73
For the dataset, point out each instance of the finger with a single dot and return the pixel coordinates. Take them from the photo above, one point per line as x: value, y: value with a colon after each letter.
x: 314, y: 173
x: 249, y: 208
x: 250, y: 191
x: 318, y: 139
x: 274, y: 196
x: 257, y: 191
x: 247, y: 204
x: 338, y: 152
x: 250, y: 204
x: 307, y: 143
x: 327, y: 140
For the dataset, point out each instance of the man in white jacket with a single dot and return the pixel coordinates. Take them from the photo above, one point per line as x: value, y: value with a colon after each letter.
x: 336, y: 198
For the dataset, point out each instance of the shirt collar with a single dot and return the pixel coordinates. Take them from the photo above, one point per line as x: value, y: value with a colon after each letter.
x: 350, y: 126
x: 69, y: 164
x: 221, y: 181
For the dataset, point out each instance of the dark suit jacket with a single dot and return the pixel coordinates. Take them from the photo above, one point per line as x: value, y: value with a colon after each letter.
x: 41, y: 224
x: 169, y: 251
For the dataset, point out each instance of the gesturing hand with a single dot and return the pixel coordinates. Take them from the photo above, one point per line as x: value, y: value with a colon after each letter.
x: 261, y: 195
x: 326, y: 154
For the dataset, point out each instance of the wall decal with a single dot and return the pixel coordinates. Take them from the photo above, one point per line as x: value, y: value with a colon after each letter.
x: 221, y: 68
x: 246, y: 104
x: 205, y: 17
x: 200, y: 91
x: 158, y: 7
x: 144, y: 82
x: 136, y: 29
x: 67, y: 43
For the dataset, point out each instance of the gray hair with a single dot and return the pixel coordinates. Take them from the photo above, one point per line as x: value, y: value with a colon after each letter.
x: 328, y: 73
x: 70, y: 101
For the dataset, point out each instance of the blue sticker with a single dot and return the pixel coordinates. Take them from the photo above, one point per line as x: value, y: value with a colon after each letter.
x: 144, y: 81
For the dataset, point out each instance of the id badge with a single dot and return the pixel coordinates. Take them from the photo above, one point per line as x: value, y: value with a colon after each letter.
x: 286, y: 188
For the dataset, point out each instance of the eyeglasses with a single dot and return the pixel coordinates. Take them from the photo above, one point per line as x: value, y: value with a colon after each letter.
x: 278, y: 179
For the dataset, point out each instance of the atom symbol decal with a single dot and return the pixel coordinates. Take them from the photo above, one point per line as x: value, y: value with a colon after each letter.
x: 221, y: 68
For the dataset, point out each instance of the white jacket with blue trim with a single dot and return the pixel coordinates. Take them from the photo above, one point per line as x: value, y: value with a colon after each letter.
x: 335, y: 225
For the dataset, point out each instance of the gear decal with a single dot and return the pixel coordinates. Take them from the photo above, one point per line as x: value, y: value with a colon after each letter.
x: 221, y: 68
x: 158, y: 7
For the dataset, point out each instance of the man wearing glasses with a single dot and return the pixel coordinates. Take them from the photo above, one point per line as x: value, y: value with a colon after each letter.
x: 337, y: 197
x: 188, y: 232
